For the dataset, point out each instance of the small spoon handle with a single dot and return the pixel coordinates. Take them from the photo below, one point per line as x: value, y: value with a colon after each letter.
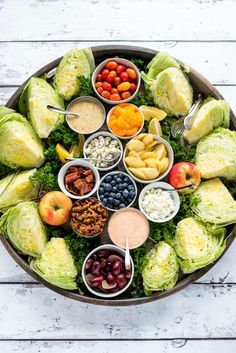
x: 57, y: 110
x: 127, y: 255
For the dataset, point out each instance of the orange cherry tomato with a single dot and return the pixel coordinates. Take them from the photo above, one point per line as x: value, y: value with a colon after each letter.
x: 110, y: 78
x: 111, y: 65
x: 112, y: 72
x: 98, y: 84
x: 124, y: 86
x: 124, y: 76
x: 133, y: 87
x: 125, y: 95
x: 114, y: 90
x: 131, y: 73
x: 117, y: 81
x: 105, y: 72
x: 106, y: 86
x: 106, y: 94
x: 99, y: 77
x: 99, y: 90
x: 115, y: 97
x: 120, y: 68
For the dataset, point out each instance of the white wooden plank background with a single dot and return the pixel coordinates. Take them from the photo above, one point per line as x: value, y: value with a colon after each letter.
x: 201, y: 318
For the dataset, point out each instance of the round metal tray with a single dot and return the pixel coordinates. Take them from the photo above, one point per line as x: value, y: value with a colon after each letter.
x: 200, y: 84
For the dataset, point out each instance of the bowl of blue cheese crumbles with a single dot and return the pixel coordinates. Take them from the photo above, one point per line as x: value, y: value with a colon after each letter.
x: 158, y: 203
x: 106, y: 148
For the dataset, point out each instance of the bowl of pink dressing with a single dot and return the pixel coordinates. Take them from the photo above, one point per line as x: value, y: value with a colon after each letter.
x: 128, y: 223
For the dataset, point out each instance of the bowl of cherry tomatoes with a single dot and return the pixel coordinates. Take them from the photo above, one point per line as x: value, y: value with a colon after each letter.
x: 116, y: 80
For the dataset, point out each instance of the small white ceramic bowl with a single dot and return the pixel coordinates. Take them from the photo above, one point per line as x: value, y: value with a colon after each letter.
x: 174, y: 195
x: 125, y: 137
x: 85, y: 99
x: 105, y: 134
x: 120, y: 61
x: 77, y: 163
x: 161, y: 176
x: 118, y: 250
x: 112, y: 173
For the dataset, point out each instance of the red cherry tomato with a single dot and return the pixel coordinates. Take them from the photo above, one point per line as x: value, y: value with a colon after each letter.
x: 133, y: 87
x: 115, y: 97
x: 111, y: 65
x: 131, y: 73
x: 125, y: 95
x: 110, y: 78
x: 100, y: 90
x: 106, y: 94
x: 112, y: 72
x: 99, y: 77
x: 120, y: 68
x: 105, y: 72
x: 106, y: 86
x: 117, y: 81
x: 114, y: 90
x: 98, y: 84
x: 124, y: 76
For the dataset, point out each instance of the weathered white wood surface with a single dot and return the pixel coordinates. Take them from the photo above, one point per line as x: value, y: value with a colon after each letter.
x: 172, y: 346
x: 199, y: 311
x: 201, y: 318
x: 117, y: 20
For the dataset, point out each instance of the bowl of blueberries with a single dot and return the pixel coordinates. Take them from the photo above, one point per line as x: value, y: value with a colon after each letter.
x: 117, y: 190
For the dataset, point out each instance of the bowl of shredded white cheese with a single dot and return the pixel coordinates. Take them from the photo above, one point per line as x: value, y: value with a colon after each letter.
x: 157, y: 203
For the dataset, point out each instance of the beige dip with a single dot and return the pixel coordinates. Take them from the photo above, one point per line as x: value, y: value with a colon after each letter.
x: 91, y: 116
x: 128, y: 223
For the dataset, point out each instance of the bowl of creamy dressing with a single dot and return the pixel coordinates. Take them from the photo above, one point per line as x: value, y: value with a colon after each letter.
x: 92, y: 115
x: 128, y: 223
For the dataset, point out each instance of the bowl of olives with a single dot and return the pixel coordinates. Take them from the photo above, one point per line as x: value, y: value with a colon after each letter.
x: 104, y: 272
x: 117, y: 190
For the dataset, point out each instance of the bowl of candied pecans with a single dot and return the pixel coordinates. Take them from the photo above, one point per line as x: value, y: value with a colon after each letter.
x: 88, y: 217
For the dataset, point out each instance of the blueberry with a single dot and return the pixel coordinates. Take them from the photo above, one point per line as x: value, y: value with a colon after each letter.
x: 113, y: 195
x: 122, y: 198
x: 120, y: 186
x: 118, y: 195
x: 115, y: 176
x: 103, y: 185
x: 129, y: 200
x: 126, y: 179
x: 131, y: 187
x: 122, y: 205
x: 132, y: 193
x: 101, y: 197
x: 116, y: 203
x: 108, y: 179
x: 101, y: 190
x: 108, y: 187
x: 110, y: 200
x: 120, y: 175
x: 113, y: 183
x: 104, y: 201
x: 118, y: 180
x: 114, y: 188
x: 106, y: 194
x: 126, y: 193
x: 125, y: 185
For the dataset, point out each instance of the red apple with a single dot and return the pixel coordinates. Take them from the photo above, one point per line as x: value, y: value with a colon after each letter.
x: 184, y: 174
x: 54, y: 208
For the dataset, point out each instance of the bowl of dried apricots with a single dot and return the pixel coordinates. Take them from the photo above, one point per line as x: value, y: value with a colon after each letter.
x: 125, y: 120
